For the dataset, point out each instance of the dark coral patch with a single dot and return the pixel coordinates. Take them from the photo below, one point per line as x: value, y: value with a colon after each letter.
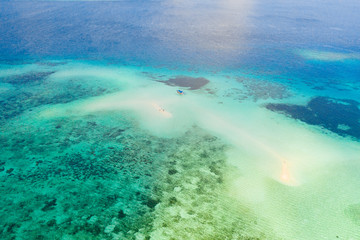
x: 341, y: 116
x: 49, y: 205
x: 22, y: 101
x: 28, y: 78
x: 353, y: 212
x: 189, y: 82
x: 151, y: 203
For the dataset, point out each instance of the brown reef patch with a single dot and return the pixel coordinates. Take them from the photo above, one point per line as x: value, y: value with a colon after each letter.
x: 185, y: 81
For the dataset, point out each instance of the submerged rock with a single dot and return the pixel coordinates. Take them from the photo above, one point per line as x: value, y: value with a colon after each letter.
x: 151, y: 203
x: 49, y: 205
x: 121, y: 214
x: 51, y: 223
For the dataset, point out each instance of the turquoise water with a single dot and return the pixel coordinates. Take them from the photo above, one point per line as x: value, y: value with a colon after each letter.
x: 96, y: 143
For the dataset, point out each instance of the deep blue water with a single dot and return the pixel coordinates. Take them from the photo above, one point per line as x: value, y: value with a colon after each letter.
x: 261, y: 35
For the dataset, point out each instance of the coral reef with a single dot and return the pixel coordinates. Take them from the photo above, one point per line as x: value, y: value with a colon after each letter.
x: 34, y: 90
x: 76, y: 178
x: 340, y: 116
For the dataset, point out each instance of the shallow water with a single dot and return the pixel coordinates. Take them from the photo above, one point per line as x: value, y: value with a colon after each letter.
x: 96, y: 143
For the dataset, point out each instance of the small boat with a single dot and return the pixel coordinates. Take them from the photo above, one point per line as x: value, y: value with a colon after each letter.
x: 180, y: 92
